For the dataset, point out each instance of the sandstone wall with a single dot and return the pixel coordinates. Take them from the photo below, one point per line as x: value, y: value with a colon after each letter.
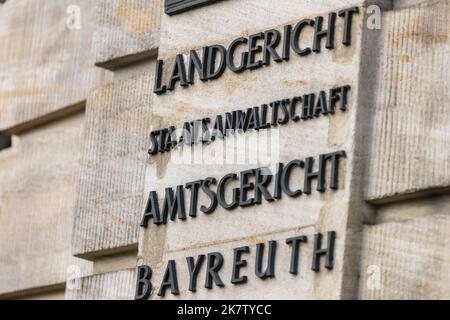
x: 80, y: 106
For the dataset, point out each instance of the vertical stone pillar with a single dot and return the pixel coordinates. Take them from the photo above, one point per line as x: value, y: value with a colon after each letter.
x: 342, y: 211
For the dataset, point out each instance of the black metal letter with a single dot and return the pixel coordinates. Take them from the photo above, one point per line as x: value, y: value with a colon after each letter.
x: 295, y: 243
x: 272, y: 39
x: 159, y: 88
x: 285, y: 178
x: 308, y: 106
x: 170, y: 279
x: 230, y: 55
x: 309, y: 174
x: 206, y: 187
x: 293, y: 109
x: 213, y: 72
x: 245, y: 187
x: 215, y: 263
x: 262, y: 179
x: 335, y: 157
x: 194, y: 187
x: 196, y: 64
x: 319, y: 33
x: 221, y: 193
x: 295, y: 38
x: 143, y: 284
x: 155, y: 145
x: 174, y: 206
x: 277, y: 194
x: 319, y: 252
x: 238, y: 263
x: 347, y: 14
x: 152, y: 211
x: 339, y: 94
x: 270, y: 271
x: 253, y: 49
x: 287, y: 43
x: 321, y: 105
x: 194, y: 269
x: 178, y: 73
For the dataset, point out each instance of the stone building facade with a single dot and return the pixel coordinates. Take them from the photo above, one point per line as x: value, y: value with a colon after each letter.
x: 102, y: 197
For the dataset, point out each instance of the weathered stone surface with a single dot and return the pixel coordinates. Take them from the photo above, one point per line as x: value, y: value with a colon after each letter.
x: 224, y: 19
x: 117, y: 285
x: 126, y: 31
x: 410, y: 143
x: 403, y: 211
x: 407, y: 260
x: 111, y: 184
x: 44, y: 65
x: 340, y: 211
x: 400, y: 4
x: 37, y: 195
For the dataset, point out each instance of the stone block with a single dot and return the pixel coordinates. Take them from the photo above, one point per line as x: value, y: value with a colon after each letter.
x: 117, y: 285
x: 407, y: 260
x: 299, y: 76
x: 38, y: 179
x: 45, y: 59
x: 127, y: 31
x: 410, y: 139
x: 111, y: 183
